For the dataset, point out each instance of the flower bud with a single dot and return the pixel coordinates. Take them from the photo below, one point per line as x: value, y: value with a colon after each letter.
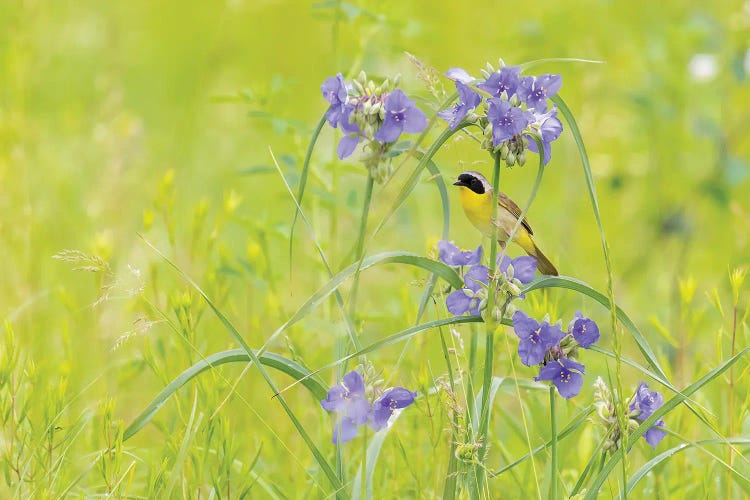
x: 511, y: 158
x: 371, y: 87
x: 515, y: 101
x: 504, y: 151
x: 500, y: 63
x: 362, y: 77
x: 521, y: 159
x: 386, y: 85
x: 358, y: 87
x: 366, y: 107
x: 396, y: 80
x: 489, y: 67
x: 381, y: 113
x: 485, y: 74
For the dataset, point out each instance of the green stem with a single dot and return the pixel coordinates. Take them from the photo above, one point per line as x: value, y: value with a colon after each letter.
x: 491, y: 324
x: 359, y: 249
x: 553, y: 425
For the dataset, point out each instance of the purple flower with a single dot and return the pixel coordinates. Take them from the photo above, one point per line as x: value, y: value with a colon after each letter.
x: 505, y: 80
x: 550, y: 129
x: 450, y: 254
x: 524, y: 267
x: 565, y: 374
x: 401, y: 115
x: 467, y: 101
x: 535, y: 91
x: 507, y: 121
x: 535, y: 338
x: 465, y: 300
x: 459, y: 75
x: 334, y: 91
x: 646, y: 403
x: 391, y: 400
x: 584, y: 330
x: 348, y: 400
x: 352, y: 134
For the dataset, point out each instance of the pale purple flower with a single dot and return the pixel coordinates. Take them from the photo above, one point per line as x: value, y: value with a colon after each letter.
x: 348, y: 400
x: 550, y: 128
x: 391, y: 400
x: 334, y: 91
x: 524, y: 267
x: 646, y: 403
x: 504, y: 80
x: 535, y: 91
x: 401, y: 115
x: 453, y: 256
x: 466, y: 300
x: 352, y: 134
x: 468, y: 100
x: 459, y: 75
x: 584, y: 330
x: 535, y: 338
x: 565, y: 374
x: 507, y: 121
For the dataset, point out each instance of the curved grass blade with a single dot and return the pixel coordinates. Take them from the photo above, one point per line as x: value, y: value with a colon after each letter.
x: 668, y: 406
x: 319, y: 458
x: 303, y: 180
x: 648, y: 466
x: 287, y: 366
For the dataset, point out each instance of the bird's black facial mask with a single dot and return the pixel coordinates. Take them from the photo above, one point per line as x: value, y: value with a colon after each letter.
x: 471, y: 182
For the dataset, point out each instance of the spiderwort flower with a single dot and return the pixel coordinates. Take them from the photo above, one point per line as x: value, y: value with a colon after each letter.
x: 524, y: 267
x: 535, y: 91
x: 352, y: 134
x: 391, y: 400
x: 643, y: 405
x: 348, y: 400
x: 467, y: 299
x: 401, y: 115
x: 535, y: 338
x: 550, y: 129
x: 467, y: 101
x: 505, y: 80
x: 334, y: 91
x: 565, y: 374
x: 451, y: 255
x: 459, y: 75
x: 584, y: 330
x: 507, y: 121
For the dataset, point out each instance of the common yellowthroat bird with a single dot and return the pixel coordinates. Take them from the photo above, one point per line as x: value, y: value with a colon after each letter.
x: 478, y: 200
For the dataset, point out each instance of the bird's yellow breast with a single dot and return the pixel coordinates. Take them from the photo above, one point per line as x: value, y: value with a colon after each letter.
x: 482, y: 212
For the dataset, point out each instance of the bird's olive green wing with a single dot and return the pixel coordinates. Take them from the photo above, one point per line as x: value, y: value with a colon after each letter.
x: 513, y: 209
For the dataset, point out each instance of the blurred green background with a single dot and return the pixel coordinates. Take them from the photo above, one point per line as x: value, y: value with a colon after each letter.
x: 156, y: 118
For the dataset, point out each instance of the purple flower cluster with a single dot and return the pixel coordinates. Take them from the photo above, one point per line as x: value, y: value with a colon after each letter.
x: 547, y: 345
x: 349, y: 401
x: 516, y: 110
x: 469, y: 299
x: 365, y: 111
x: 642, y: 406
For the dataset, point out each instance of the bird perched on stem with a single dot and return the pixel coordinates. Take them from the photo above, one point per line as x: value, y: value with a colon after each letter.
x: 477, y: 200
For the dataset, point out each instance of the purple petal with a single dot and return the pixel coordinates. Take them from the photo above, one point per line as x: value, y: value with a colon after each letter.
x: 584, y: 330
x: 551, y: 83
x: 550, y: 335
x: 378, y: 418
x: 524, y: 325
x: 414, y: 120
x: 475, y: 277
x: 354, y: 382
x: 397, y: 101
x: 525, y: 86
x: 468, y: 96
x: 397, y: 397
x: 357, y: 410
x: 569, y: 384
x: 458, y: 302
x: 654, y: 435
x: 459, y: 75
x: 336, y: 399
x: 347, y: 145
x: 531, y: 351
x: 503, y: 261
x: 390, y: 130
x: 524, y: 268
x: 345, y: 430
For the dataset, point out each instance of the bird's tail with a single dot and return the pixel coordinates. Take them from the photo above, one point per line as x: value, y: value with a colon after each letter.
x: 542, y: 262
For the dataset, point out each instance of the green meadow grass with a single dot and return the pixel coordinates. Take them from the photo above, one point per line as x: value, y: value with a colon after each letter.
x: 151, y: 154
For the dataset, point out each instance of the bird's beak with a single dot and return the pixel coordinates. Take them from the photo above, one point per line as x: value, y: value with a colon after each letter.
x: 458, y: 183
